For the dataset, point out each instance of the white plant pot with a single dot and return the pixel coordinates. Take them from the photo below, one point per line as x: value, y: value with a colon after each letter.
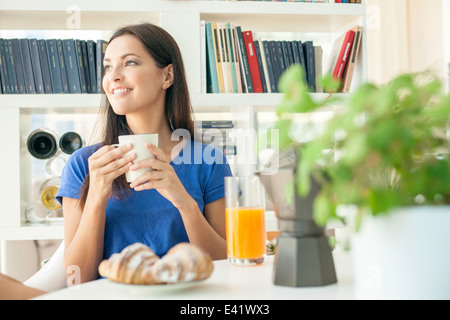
x: 403, y: 254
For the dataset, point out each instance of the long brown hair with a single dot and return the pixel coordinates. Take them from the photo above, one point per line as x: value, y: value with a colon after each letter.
x: 164, y: 50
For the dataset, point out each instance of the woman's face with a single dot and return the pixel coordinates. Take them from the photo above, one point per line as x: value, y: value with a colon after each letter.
x: 132, y: 81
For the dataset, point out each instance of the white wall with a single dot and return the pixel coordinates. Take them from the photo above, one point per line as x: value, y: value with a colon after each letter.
x: 405, y: 36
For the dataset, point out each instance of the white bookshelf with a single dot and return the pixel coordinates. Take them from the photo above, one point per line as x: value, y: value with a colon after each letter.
x: 323, y: 21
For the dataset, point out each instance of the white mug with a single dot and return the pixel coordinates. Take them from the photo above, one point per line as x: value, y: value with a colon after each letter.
x: 138, y: 141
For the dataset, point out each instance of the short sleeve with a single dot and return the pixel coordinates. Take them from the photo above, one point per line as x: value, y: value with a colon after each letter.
x: 74, y: 173
x: 215, y: 187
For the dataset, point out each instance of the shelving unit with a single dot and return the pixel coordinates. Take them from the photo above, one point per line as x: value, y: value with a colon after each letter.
x: 323, y: 21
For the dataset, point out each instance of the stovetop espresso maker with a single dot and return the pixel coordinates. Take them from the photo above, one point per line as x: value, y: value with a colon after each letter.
x: 303, y: 256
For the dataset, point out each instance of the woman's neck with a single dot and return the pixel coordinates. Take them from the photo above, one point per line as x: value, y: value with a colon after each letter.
x: 154, y: 123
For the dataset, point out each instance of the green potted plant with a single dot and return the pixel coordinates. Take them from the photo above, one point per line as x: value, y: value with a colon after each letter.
x: 384, y: 153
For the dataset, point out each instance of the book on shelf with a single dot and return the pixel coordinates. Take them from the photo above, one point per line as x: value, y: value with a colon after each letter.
x: 100, y: 48
x: 218, y: 55
x: 344, y: 57
x: 308, y: 48
x: 80, y: 65
x: 245, y: 68
x: 36, y: 66
x: 318, y: 54
x: 203, y: 64
x: 207, y: 124
x: 252, y: 61
x: 30, y: 87
x: 60, y: 66
x: 212, y: 82
x: 45, y: 67
x: 350, y: 68
x: 54, y: 67
x: 232, y: 57
x: 343, y: 54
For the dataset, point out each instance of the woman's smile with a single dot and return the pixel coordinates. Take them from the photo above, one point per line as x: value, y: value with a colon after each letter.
x: 120, y: 91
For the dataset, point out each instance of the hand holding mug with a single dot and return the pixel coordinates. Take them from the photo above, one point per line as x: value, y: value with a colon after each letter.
x: 105, y: 165
x: 162, y: 177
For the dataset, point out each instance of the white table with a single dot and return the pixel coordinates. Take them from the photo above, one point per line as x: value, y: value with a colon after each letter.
x: 227, y: 282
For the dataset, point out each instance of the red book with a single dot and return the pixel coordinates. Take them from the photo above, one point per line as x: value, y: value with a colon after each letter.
x: 344, y: 54
x: 252, y: 61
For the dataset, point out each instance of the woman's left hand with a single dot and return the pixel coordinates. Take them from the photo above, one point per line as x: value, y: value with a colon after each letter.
x: 163, y: 178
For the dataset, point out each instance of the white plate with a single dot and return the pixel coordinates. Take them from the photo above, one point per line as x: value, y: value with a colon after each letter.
x: 144, y: 289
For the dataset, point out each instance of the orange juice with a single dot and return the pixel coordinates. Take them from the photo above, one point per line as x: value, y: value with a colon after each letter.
x: 246, y: 233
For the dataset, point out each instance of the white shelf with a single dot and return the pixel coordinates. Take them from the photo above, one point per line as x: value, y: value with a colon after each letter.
x: 89, y: 103
x: 33, y: 232
x: 50, y: 103
x: 224, y: 7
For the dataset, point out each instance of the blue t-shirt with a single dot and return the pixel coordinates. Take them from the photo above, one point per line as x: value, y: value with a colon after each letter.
x: 146, y: 216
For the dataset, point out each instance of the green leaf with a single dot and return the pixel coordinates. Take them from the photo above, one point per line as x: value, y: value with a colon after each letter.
x: 323, y: 209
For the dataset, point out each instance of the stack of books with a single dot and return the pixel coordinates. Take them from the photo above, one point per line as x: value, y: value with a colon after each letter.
x: 235, y: 62
x: 344, y: 57
x: 218, y: 133
x: 29, y: 66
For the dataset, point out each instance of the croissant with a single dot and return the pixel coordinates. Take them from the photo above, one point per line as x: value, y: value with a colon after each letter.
x: 132, y: 265
x: 183, y: 263
x: 138, y: 264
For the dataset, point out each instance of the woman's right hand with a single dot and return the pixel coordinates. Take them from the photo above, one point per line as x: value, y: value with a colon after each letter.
x: 105, y: 165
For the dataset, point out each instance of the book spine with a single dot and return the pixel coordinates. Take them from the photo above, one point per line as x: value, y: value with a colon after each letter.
x: 252, y: 61
x: 27, y: 66
x: 268, y: 58
x: 285, y: 55
x: 227, y: 58
x: 203, y: 65
x: 275, y: 63
x: 80, y: 65
x: 302, y: 57
x: 232, y: 58
x: 100, y: 53
x: 2, y: 69
x: 295, y: 55
x: 308, y: 47
x: 17, y: 58
x: 84, y: 55
x: 45, y: 68
x: 343, y: 54
x: 65, y: 83
x: 262, y: 75
x: 70, y: 60
x: 289, y: 52
x: 91, y: 65
x: 54, y: 67
x: 281, y: 61
x: 11, y: 67
x: 223, y: 58
x: 318, y: 54
x: 244, y: 60
x: 237, y: 59
x: 217, y: 49
x: 213, y: 83
x: 349, y: 70
x: 36, y: 65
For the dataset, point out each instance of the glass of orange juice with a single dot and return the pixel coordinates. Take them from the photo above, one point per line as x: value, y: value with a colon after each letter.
x: 245, y: 220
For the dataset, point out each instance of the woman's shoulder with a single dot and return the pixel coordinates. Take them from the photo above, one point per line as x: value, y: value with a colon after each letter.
x: 84, y: 153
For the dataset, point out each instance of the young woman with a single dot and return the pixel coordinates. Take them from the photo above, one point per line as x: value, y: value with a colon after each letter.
x: 181, y: 200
